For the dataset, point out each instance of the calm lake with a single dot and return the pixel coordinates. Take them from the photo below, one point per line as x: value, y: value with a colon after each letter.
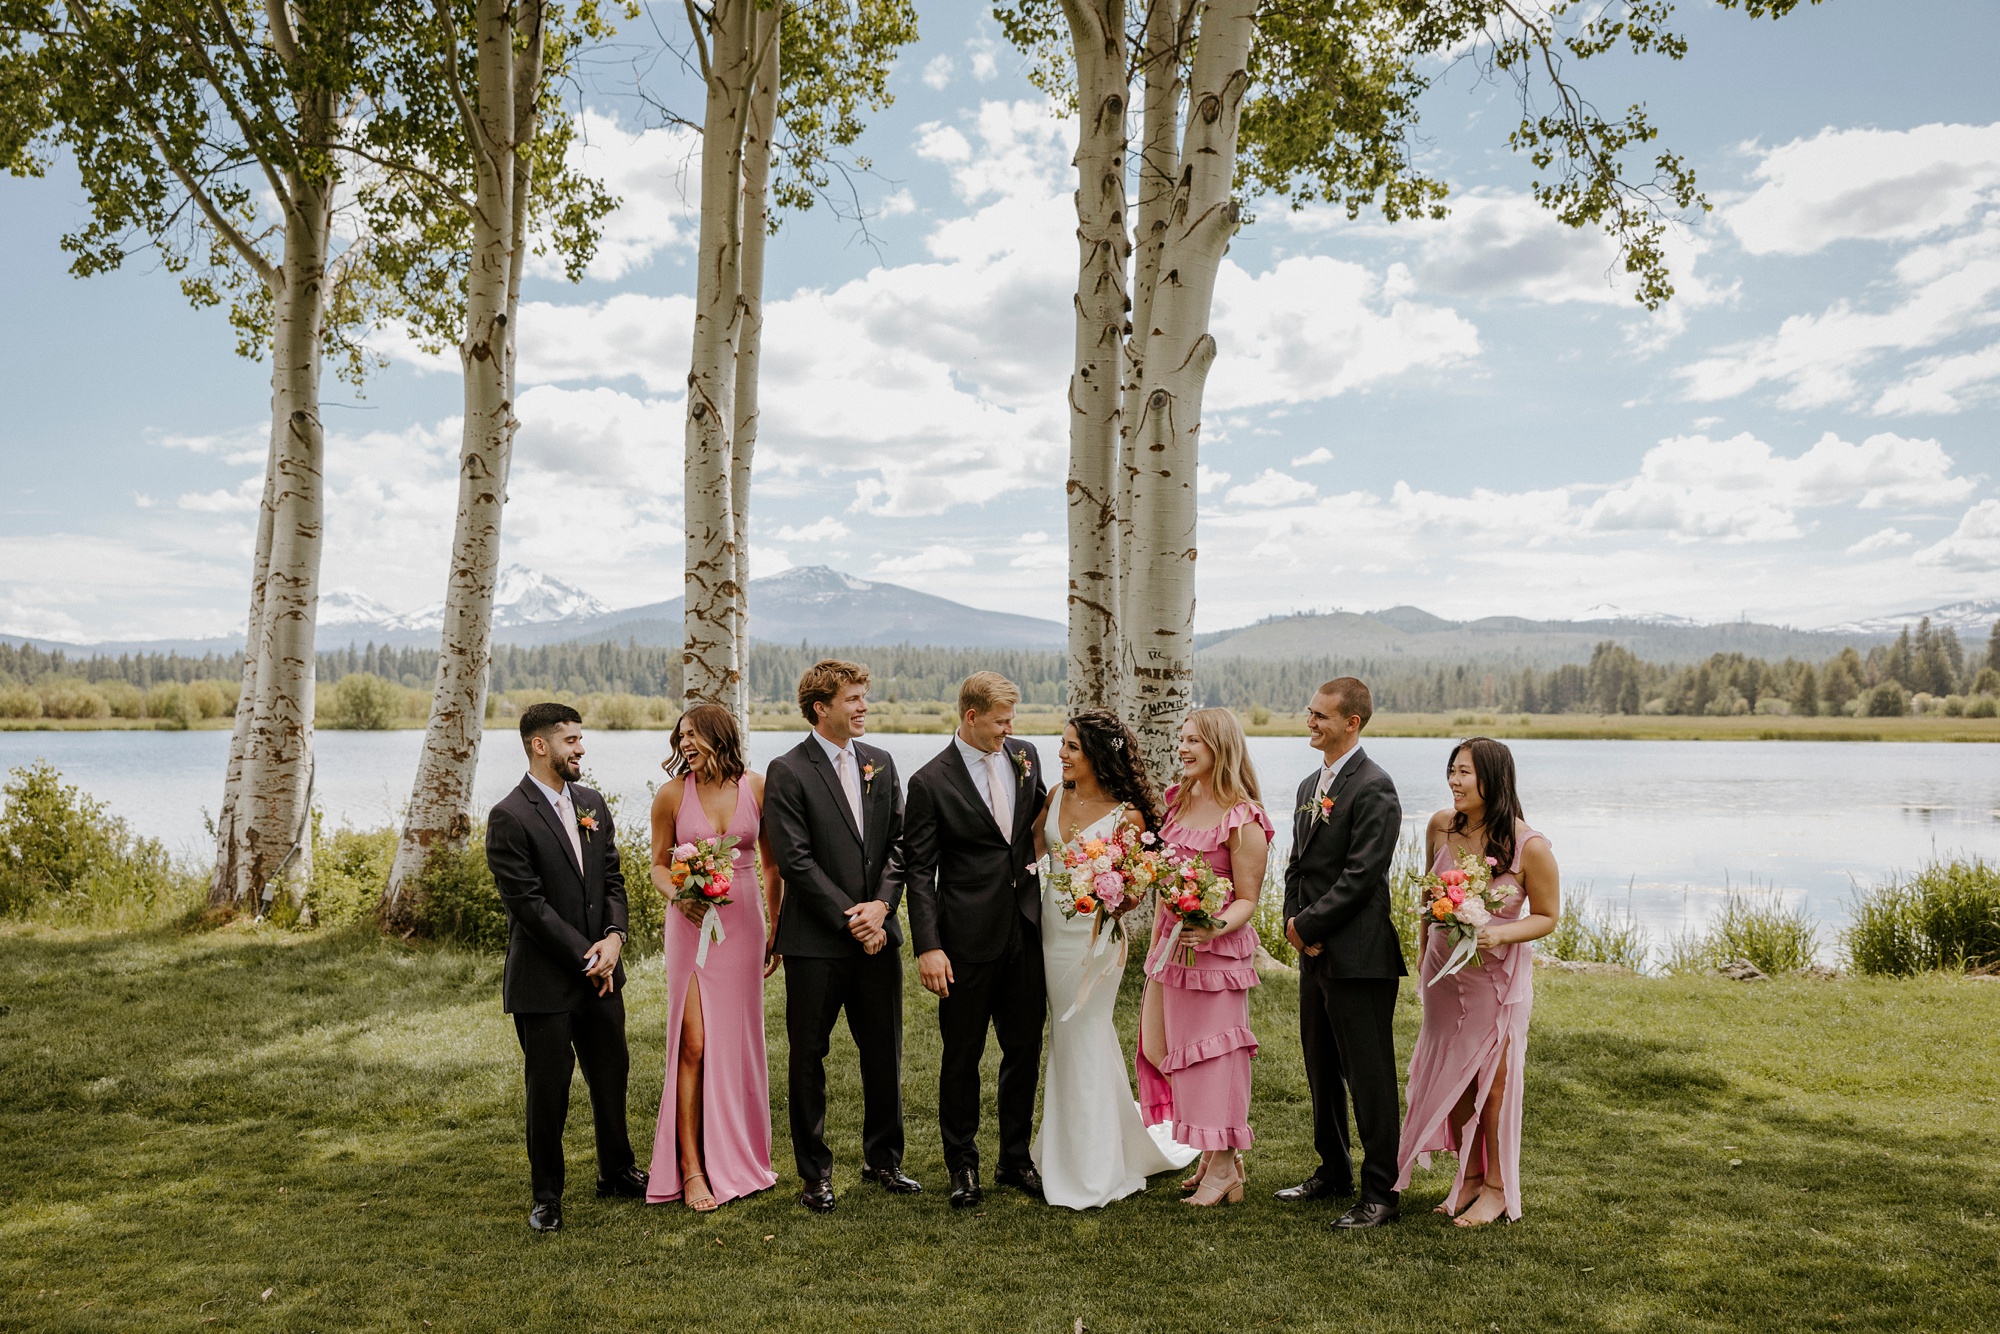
x: 1671, y: 825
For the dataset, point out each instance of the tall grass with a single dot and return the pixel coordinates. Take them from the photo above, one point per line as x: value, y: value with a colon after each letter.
x: 1586, y: 934
x: 65, y: 859
x: 1945, y: 917
x: 1754, y: 925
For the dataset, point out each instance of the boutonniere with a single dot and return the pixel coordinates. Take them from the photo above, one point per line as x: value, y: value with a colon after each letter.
x: 586, y: 820
x: 1022, y: 764
x: 1320, y: 808
x: 868, y: 777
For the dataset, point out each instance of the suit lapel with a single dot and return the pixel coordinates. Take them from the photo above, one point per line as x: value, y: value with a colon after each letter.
x: 816, y: 756
x: 553, y: 820
x: 1310, y: 806
x: 1024, y: 788
x: 1302, y: 821
x: 961, y: 778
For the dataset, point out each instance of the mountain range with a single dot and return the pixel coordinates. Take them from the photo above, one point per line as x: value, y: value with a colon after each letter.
x: 821, y: 606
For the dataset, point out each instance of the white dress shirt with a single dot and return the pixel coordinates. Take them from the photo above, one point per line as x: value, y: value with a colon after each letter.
x: 1329, y: 772
x: 565, y: 811
x: 847, y: 768
x: 993, y: 777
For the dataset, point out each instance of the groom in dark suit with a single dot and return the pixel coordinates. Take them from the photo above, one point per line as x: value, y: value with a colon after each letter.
x: 1344, y: 832
x: 975, y: 926
x: 834, y: 815
x: 554, y: 857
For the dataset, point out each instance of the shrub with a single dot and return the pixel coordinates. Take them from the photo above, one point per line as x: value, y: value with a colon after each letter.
x: 125, y: 699
x: 1982, y: 706
x: 1269, y: 919
x: 1259, y: 715
x: 349, y: 871
x: 62, y: 855
x: 456, y: 899
x: 1584, y: 935
x: 363, y: 701
x: 1888, y: 700
x: 1987, y: 682
x: 1946, y: 917
x: 1405, y: 898
x: 209, y: 699
x: 70, y: 699
x: 17, y: 702
x: 615, y: 713
x: 1754, y: 926
x: 168, y: 702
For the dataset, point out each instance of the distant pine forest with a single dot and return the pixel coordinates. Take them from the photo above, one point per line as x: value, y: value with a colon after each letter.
x: 1925, y: 671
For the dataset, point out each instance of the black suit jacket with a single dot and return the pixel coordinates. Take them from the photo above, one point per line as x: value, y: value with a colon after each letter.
x: 966, y: 876
x: 828, y: 865
x: 556, y: 910
x: 1337, y: 881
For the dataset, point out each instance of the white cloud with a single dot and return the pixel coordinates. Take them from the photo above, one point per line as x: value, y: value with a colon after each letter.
x: 896, y: 205
x: 1886, y: 539
x: 938, y: 71
x: 1319, y: 455
x: 1882, y: 185
x: 1975, y: 545
x: 828, y: 529
x: 931, y: 558
x: 1272, y: 487
x: 243, y: 498
x: 245, y: 444
x: 1207, y: 479
x: 1945, y: 384
x: 656, y: 175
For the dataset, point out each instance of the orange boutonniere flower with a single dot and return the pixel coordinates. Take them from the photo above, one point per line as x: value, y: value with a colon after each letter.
x: 1022, y: 765
x: 1320, y: 808
x: 868, y: 777
x: 587, y: 822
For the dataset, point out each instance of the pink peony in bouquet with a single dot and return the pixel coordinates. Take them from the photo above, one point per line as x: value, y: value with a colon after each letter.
x: 1458, y: 901
x: 1194, y: 896
x: 700, y: 874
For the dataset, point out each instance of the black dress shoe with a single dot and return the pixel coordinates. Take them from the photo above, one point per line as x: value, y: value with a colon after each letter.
x: 892, y: 1180
x: 1314, y: 1187
x: 1024, y: 1179
x: 545, y: 1218
x: 627, y: 1185
x: 965, y: 1192
x: 1367, y: 1214
x: 818, y: 1196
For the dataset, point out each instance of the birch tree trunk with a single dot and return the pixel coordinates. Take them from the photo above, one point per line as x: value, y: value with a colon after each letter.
x: 1177, y: 354
x: 222, y: 881
x: 271, y: 823
x: 755, y: 226
x: 1161, y: 58
x: 708, y: 651
x: 1097, y: 35
x: 440, y: 809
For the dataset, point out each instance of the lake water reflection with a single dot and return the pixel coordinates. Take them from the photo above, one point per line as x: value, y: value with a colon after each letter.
x: 1671, y: 823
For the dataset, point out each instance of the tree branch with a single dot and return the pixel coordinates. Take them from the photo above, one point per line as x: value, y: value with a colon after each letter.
x: 263, y: 268
x: 474, y: 131
x: 283, y: 39
x: 251, y: 132
x: 700, y: 44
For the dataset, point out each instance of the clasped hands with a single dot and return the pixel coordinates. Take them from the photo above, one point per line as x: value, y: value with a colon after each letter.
x: 1292, y: 934
x: 864, y: 923
x: 601, y: 963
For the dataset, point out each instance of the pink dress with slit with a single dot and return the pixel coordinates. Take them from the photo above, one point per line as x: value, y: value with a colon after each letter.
x: 735, y: 1085
x: 1469, y: 1018
x: 1203, y: 1085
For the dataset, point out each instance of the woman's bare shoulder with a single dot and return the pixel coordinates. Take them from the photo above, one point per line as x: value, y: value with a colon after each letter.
x: 668, y: 796
x: 756, y: 782
x: 1441, y: 820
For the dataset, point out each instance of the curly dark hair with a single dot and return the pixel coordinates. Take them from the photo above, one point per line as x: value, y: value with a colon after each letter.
x: 1114, y: 757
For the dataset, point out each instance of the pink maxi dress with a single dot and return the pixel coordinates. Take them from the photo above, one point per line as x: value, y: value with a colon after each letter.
x: 1203, y: 1085
x: 735, y: 1086
x: 1468, y: 1018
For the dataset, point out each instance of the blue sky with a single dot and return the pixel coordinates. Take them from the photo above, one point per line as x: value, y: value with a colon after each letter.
x: 1468, y: 416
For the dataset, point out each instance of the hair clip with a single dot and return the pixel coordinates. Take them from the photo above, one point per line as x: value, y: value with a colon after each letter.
x: 1118, y: 743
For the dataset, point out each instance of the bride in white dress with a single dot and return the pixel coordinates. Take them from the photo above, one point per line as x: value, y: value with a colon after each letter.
x: 1093, y: 1147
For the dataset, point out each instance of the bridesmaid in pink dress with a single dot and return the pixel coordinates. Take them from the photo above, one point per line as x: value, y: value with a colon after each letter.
x: 714, y: 1138
x: 1466, y: 1071
x: 1195, y: 1042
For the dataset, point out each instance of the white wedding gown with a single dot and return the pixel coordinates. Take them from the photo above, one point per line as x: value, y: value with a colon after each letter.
x: 1092, y: 1147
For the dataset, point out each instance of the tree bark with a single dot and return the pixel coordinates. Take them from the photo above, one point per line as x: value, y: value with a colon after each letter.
x: 223, y: 880
x: 270, y: 824
x: 440, y: 809
x: 710, y: 667
x: 1177, y: 355
x: 755, y: 226
x: 1097, y: 35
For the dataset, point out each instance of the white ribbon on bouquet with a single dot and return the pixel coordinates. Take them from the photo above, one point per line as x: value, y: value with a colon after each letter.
x: 1466, y: 951
x: 1160, y: 960
x: 1100, y: 944
x: 710, y: 930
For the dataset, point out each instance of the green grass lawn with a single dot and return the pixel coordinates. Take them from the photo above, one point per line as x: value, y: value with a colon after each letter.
x: 188, y: 1122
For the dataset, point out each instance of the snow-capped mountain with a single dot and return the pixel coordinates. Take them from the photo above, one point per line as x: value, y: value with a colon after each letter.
x: 1967, y: 618
x: 1604, y: 611
x: 348, y: 606
x: 521, y: 596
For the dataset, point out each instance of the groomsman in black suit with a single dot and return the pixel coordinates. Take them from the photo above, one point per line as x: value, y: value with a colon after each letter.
x: 554, y: 857
x: 1344, y: 833
x: 834, y: 813
x: 975, y: 926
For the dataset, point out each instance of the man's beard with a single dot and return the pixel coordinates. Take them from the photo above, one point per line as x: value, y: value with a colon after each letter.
x: 567, y: 769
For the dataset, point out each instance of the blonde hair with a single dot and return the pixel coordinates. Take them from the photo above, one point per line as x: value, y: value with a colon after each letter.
x: 983, y: 692
x: 823, y: 681
x: 1232, y: 780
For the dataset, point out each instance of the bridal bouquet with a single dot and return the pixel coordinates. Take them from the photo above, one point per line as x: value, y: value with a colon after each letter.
x: 1103, y: 879
x: 1194, y: 896
x: 1458, y: 901
x: 700, y: 874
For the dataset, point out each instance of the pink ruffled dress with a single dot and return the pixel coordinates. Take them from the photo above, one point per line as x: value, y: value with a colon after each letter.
x: 1203, y: 1085
x: 1468, y: 1018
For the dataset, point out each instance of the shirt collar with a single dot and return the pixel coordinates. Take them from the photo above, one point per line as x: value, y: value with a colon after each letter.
x: 1329, y: 772
x: 555, y: 794
x: 975, y: 758
x: 833, y: 752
